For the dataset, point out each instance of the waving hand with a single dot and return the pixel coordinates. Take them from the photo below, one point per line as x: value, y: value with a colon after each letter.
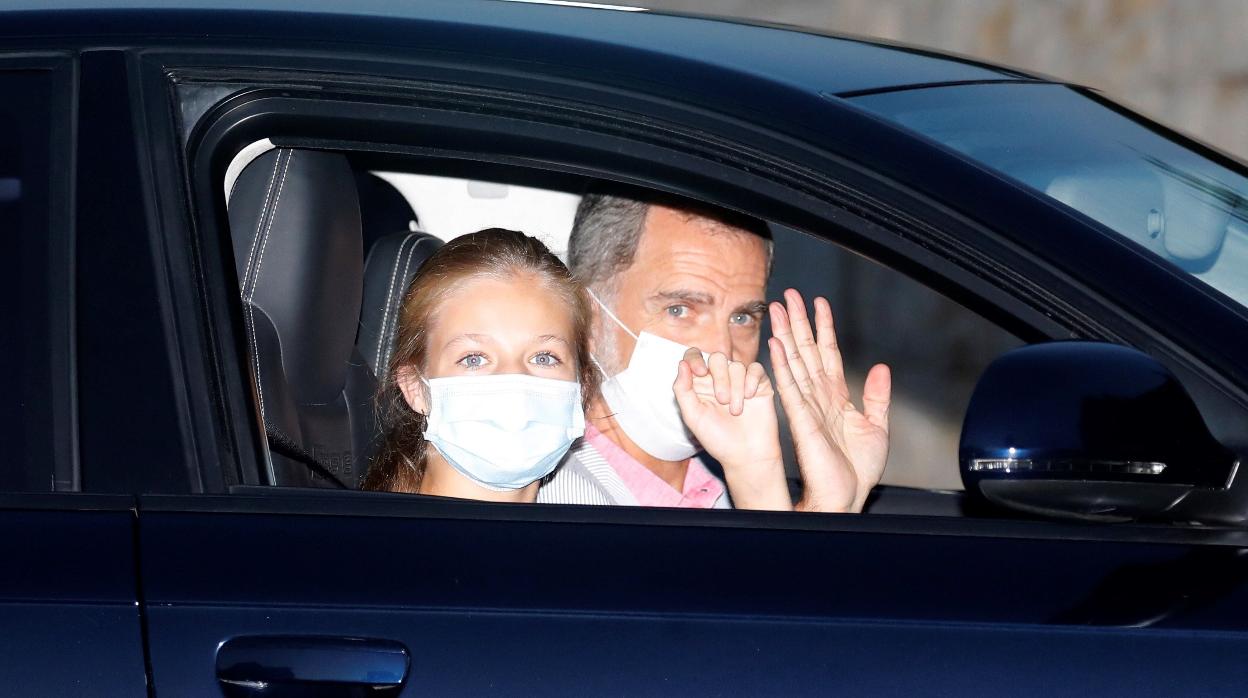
x: 841, y: 449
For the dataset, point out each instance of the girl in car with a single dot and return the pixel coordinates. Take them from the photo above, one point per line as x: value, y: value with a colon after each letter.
x: 491, y: 369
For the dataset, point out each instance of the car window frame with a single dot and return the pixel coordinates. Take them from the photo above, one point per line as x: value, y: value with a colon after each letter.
x: 283, y: 109
x: 256, y: 108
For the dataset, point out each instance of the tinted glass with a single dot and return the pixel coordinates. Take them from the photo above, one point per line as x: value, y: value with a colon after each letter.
x: 1162, y: 195
x: 28, y: 426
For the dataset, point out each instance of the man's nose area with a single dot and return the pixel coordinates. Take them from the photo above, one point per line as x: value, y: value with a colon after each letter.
x: 719, y: 339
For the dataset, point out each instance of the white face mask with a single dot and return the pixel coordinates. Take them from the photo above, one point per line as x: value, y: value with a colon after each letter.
x: 503, y: 432
x: 641, y: 397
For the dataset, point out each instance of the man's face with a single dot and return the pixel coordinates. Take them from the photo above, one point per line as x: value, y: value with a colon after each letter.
x: 693, y: 281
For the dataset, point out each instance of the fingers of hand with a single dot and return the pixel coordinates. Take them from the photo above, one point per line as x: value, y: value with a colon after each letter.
x: 696, y: 363
x: 736, y: 375
x: 780, y: 365
x: 686, y: 398
x: 684, y: 378
x: 803, y: 337
x: 779, y: 320
x: 756, y: 380
x: 877, y: 395
x: 829, y: 348
x: 790, y: 395
x: 782, y: 329
x: 731, y: 378
x: 719, y: 374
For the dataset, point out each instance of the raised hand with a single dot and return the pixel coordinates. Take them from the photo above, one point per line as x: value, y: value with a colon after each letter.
x: 841, y: 450
x: 730, y: 409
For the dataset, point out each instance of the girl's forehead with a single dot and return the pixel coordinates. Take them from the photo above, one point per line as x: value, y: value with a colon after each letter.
x: 504, y: 305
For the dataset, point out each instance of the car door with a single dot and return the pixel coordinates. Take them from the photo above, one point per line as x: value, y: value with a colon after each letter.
x: 250, y: 587
x: 70, y: 623
x: 540, y: 600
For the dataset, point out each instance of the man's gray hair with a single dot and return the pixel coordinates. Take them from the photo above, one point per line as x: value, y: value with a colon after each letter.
x: 604, y: 239
x: 608, y: 226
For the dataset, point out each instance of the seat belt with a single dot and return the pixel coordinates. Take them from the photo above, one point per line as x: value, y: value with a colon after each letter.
x: 282, y: 444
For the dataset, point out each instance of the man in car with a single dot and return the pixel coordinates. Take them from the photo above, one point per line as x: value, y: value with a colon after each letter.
x: 672, y: 279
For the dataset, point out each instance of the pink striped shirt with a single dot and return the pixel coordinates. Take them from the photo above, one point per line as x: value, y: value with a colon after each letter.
x: 701, y: 489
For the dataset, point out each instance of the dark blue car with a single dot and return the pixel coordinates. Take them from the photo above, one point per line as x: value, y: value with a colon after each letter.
x: 167, y: 534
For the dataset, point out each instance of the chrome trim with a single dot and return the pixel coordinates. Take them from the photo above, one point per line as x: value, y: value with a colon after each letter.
x: 1065, y: 465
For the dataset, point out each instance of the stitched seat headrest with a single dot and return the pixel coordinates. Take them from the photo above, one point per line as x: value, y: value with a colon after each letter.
x: 295, y: 224
x: 391, y: 266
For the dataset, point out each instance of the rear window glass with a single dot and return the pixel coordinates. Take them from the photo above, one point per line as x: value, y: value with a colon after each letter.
x: 32, y: 351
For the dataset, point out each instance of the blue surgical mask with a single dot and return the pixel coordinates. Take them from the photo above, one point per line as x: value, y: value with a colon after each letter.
x: 506, y: 431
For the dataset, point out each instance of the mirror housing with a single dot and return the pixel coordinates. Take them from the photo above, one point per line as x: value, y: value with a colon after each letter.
x: 1087, y: 430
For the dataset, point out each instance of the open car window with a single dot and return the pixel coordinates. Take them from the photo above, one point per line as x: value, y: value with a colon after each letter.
x: 288, y: 214
x: 936, y: 347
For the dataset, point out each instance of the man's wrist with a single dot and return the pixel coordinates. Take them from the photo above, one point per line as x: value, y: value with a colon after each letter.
x: 758, y: 484
x: 815, y: 501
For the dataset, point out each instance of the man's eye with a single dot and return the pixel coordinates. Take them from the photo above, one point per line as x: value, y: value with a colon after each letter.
x: 472, y: 361
x: 741, y: 319
x: 545, y: 359
x: 677, y: 310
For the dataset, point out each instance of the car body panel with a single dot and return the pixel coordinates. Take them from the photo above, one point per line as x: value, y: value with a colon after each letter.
x: 564, y: 600
x: 473, y: 652
x: 70, y: 621
x: 563, y: 607
x: 596, y: 41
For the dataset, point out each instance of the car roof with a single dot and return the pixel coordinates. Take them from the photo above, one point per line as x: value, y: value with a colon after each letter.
x: 827, y: 64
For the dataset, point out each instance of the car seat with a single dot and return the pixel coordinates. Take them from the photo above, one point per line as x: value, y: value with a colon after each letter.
x: 392, y: 263
x: 295, y: 225
x: 396, y: 251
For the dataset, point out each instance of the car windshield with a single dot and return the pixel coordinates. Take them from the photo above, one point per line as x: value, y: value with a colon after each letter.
x: 1175, y: 202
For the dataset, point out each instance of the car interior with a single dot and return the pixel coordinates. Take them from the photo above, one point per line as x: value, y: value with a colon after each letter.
x: 326, y: 243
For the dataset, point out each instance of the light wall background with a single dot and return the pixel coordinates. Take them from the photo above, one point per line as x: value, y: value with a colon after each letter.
x: 1182, y: 62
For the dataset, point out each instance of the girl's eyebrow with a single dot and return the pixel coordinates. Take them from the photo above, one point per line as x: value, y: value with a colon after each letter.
x: 476, y: 338
x: 553, y: 338
x: 467, y: 338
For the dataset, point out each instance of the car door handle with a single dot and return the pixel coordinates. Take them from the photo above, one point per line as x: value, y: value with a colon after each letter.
x: 253, y: 666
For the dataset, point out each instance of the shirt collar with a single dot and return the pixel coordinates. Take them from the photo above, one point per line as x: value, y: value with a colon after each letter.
x: 700, y: 491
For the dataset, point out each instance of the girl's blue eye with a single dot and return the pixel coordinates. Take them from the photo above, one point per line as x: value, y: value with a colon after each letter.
x: 472, y: 361
x: 545, y: 359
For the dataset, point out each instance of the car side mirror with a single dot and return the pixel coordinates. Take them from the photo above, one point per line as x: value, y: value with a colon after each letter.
x: 1087, y: 430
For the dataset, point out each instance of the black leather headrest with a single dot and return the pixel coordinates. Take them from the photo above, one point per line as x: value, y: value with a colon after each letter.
x: 295, y: 223
x: 392, y: 263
